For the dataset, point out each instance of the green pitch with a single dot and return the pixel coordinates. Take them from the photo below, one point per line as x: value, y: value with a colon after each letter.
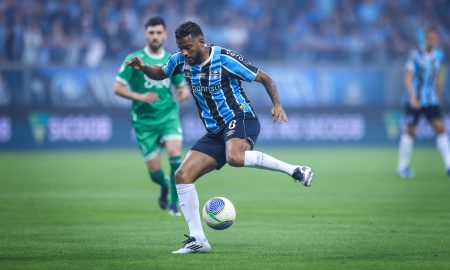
x: 98, y: 210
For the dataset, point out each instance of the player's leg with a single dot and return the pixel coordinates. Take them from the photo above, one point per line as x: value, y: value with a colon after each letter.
x: 434, y: 116
x: 240, y: 136
x: 148, y: 141
x: 207, y: 154
x: 407, y: 142
x: 194, y: 165
x: 172, y: 137
x: 157, y: 175
x: 173, y: 147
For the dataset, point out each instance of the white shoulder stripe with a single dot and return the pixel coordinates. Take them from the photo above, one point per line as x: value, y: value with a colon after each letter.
x: 122, y: 81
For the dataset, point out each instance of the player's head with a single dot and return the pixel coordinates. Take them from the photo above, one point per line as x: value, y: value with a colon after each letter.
x: 432, y: 38
x: 190, y: 40
x: 155, y: 32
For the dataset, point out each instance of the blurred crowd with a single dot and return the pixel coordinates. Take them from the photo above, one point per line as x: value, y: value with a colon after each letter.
x: 96, y: 32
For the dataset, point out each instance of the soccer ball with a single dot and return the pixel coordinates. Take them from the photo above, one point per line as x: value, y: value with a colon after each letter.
x: 219, y: 213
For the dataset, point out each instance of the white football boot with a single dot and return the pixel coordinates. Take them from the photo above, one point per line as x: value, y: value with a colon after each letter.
x: 191, y: 245
x: 304, y: 175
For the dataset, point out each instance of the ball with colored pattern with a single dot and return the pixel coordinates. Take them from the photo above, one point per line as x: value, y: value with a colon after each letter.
x: 219, y: 213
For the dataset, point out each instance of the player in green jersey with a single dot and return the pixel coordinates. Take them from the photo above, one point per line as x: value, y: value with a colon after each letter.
x: 155, y: 114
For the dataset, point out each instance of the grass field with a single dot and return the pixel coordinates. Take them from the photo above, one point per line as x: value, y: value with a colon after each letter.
x: 97, y: 210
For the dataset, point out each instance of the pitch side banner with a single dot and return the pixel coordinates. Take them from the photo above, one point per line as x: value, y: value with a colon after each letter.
x: 91, y: 129
x: 75, y: 87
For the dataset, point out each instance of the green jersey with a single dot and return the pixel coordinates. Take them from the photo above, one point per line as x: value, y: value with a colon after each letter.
x: 157, y: 112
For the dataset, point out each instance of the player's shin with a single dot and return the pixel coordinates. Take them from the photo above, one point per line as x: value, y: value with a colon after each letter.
x: 405, y: 150
x: 159, y: 178
x: 175, y: 163
x: 443, y: 145
x: 256, y: 159
x: 190, y: 207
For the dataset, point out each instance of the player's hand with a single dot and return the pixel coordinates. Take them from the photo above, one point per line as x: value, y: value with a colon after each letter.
x: 183, y: 94
x: 136, y: 63
x: 278, y: 113
x: 149, y: 97
x: 414, y: 103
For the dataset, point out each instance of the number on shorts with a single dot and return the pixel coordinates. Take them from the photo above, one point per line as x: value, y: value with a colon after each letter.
x: 232, y: 124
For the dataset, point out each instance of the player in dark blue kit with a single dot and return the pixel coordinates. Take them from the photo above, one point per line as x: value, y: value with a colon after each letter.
x: 424, y: 94
x: 214, y: 75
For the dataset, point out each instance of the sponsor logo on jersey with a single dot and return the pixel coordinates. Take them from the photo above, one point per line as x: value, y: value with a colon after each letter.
x: 149, y: 83
x: 239, y: 57
x: 205, y: 88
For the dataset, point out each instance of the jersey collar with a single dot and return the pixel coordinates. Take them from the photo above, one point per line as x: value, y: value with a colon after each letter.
x: 213, y: 48
x: 154, y: 56
x: 209, y: 58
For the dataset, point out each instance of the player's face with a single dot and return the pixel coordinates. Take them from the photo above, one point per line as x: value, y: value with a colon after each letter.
x: 432, y: 39
x: 156, y: 36
x: 191, y: 49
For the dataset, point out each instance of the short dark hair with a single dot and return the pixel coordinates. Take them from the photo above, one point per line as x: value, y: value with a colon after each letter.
x: 153, y: 21
x: 188, y: 28
x: 432, y: 29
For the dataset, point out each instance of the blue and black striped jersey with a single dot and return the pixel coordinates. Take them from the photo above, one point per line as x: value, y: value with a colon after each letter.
x: 216, y: 85
x: 425, y: 68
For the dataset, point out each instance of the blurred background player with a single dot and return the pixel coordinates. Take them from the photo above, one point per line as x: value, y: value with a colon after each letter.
x: 155, y: 114
x: 214, y: 75
x: 424, y: 95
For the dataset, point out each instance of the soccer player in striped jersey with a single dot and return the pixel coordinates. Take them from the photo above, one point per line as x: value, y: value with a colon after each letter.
x: 214, y: 75
x: 424, y: 93
x: 154, y: 113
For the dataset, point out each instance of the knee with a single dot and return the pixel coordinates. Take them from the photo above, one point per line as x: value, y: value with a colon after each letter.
x: 173, y: 152
x: 182, y: 177
x: 235, y: 159
x: 440, y: 129
x: 411, y: 131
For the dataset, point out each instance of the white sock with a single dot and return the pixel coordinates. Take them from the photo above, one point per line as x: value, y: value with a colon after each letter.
x: 405, y: 150
x: 256, y: 159
x: 188, y: 199
x: 444, y: 147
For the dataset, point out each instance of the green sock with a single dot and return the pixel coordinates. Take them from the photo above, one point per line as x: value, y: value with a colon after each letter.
x: 175, y: 163
x: 159, y: 178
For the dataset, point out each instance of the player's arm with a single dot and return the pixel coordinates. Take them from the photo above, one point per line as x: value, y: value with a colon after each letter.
x: 271, y: 89
x: 408, y: 81
x: 439, y: 83
x: 180, y: 85
x: 122, y: 90
x: 183, y: 93
x: 240, y: 68
x: 153, y: 72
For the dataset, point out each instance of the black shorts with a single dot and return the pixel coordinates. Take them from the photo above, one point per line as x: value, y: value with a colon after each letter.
x: 213, y: 144
x: 431, y: 113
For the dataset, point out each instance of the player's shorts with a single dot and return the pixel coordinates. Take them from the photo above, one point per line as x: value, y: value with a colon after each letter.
x: 151, y: 138
x: 431, y: 113
x: 213, y: 144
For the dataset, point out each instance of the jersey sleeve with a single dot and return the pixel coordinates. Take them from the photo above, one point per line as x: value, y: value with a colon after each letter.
x: 238, y: 66
x: 440, y: 55
x: 125, y: 73
x: 409, y: 65
x: 174, y: 65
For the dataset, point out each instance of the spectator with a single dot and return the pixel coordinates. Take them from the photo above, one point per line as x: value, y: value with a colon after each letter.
x: 362, y: 31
